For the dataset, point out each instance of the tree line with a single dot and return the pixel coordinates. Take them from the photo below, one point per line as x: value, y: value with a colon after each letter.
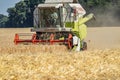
x: 21, y: 15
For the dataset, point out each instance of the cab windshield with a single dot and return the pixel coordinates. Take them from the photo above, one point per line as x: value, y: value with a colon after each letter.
x: 50, y: 17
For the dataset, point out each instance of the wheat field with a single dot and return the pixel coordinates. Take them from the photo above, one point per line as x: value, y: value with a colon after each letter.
x: 55, y: 62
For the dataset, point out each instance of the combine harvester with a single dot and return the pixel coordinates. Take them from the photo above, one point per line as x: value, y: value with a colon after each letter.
x: 58, y: 22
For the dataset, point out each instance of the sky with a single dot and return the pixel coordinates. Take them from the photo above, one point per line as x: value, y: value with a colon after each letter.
x: 5, y: 4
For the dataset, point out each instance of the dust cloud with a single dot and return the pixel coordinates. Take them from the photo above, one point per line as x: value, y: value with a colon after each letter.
x: 108, y: 16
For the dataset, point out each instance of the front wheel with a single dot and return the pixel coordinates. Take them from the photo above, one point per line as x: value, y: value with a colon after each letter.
x: 84, y: 46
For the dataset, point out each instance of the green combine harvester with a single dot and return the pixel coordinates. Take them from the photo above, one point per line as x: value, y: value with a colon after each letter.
x: 59, y: 22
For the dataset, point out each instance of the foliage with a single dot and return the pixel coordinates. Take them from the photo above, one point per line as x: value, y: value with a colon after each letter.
x: 22, y: 14
x: 17, y: 14
x: 94, y: 3
x: 3, y: 20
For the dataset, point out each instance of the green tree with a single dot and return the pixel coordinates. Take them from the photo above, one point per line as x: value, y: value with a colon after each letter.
x: 17, y: 14
x: 22, y: 14
x: 94, y: 3
x: 3, y: 20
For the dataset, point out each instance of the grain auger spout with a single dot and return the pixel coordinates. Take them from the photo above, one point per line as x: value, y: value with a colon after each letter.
x: 60, y: 22
x: 86, y: 18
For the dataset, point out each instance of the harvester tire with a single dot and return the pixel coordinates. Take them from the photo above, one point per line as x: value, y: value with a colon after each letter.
x: 84, y: 46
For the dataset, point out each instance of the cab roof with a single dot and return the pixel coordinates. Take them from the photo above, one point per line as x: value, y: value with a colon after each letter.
x: 61, y: 1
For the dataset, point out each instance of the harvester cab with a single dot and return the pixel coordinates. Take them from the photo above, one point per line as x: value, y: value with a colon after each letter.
x: 59, y: 22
